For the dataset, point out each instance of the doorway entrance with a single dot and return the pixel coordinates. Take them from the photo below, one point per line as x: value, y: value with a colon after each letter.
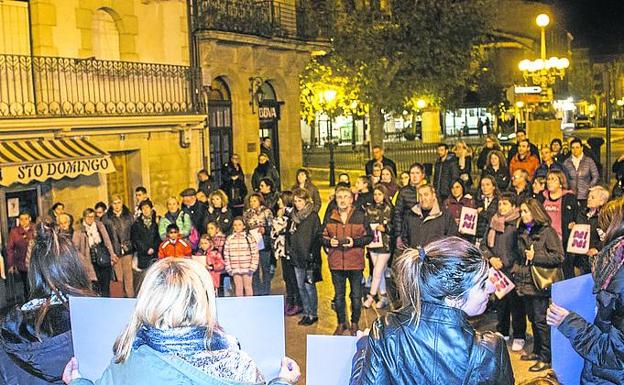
x: 219, y: 127
x: 21, y: 201
x: 269, y: 116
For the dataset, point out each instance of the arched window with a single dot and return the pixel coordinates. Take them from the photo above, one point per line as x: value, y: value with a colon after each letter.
x: 219, y: 126
x: 105, y: 36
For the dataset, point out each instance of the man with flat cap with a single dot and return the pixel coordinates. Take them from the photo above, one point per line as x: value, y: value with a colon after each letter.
x: 195, y: 209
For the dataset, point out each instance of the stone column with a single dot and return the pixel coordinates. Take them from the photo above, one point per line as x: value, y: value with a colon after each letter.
x: 431, y: 125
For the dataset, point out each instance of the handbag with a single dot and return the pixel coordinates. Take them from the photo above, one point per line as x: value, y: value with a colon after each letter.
x: 100, y: 255
x: 544, y: 277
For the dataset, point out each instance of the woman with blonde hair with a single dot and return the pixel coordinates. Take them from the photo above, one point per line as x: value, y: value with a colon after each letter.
x: 173, y: 336
x: 429, y: 339
x: 219, y: 212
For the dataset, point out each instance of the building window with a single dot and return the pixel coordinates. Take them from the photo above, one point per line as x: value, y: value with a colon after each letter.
x: 105, y: 36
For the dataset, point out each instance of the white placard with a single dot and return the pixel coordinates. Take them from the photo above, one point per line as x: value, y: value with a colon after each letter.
x: 578, y: 243
x: 258, y: 237
x: 377, y: 241
x: 501, y: 282
x: 468, y: 221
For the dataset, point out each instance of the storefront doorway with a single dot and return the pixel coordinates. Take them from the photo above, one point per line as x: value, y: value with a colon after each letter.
x: 219, y: 127
x: 269, y: 116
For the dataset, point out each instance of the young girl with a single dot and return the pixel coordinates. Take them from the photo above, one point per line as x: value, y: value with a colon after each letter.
x: 379, y: 213
x: 240, y: 254
x: 216, y: 236
x: 278, y: 236
x: 258, y: 218
x: 213, y: 260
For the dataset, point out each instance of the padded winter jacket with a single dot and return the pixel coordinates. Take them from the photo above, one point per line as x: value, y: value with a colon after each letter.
x: 357, y: 228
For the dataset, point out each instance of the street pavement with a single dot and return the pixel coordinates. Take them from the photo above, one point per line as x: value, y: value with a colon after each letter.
x: 296, y: 335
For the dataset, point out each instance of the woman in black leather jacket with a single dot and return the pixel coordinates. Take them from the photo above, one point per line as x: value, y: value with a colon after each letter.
x: 601, y: 343
x: 429, y: 340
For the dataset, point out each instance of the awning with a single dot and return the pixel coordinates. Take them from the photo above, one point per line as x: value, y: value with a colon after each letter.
x: 24, y: 161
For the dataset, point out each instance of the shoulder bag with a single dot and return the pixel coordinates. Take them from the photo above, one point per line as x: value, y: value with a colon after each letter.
x: 544, y: 277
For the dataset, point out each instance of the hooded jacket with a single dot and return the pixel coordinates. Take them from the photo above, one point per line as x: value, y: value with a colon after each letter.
x: 420, y: 230
x: 24, y: 359
x: 443, y: 349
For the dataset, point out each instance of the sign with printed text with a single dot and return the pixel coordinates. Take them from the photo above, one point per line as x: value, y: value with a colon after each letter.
x: 468, y: 221
x: 238, y: 316
x: 527, y: 90
x: 501, y: 282
x: 377, y: 240
x: 578, y: 243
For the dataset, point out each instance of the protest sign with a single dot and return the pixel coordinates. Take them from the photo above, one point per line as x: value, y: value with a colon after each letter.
x: 96, y: 323
x: 501, y: 282
x: 468, y: 221
x: 377, y: 241
x: 575, y: 295
x: 578, y: 243
x: 329, y: 359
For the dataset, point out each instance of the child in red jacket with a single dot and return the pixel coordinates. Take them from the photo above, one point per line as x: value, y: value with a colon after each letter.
x: 212, y: 259
x: 174, y: 245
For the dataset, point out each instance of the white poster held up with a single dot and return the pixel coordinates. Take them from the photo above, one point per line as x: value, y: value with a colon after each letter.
x: 501, y: 282
x: 468, y: 221
x: 578, y: 243
x: 258, y: 237
x: 377, y: 242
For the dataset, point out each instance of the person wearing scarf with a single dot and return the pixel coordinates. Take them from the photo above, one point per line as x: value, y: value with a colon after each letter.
x: 601, y: 343
x: 500, y: 248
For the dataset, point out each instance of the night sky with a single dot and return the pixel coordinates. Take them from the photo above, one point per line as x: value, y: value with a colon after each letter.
x: 595, y: 24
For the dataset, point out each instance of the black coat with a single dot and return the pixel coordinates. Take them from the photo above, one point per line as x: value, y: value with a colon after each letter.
x: 222, y: 217
x: 24, y: 359
x: 303, y: 243
x: 483, y: 155
x: 269, y: 171
x: 236, y: 191
x: 501, y: 176
x: 601, y: 343
x: 198, y: 213
x: 445, y: 173
x: 548, y: 253
x: 364, y: 199
x: 419, y: 230
x: 505, y: 246
x: 386, y: 162
x: 444, y: 349
x: 406, y: 199
x: 228, y: 169
x: 145, y: 238
x: 485, y: 216
x: 118, y: 228
x: 381, y: 214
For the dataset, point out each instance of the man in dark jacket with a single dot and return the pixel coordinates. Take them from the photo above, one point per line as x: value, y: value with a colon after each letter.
x: 408, y: 196
x: 446, y: 171
x: 195, y: 209
x: 145, y: 236
x: 17, y: 246
x: 345, y: 235
x: 548, y: 164
x: 499, y: 247
x: 265, y: 169
x: 378, y: 157
x: 426, y: 221
x: 118, y: 221
x: 204, y: 182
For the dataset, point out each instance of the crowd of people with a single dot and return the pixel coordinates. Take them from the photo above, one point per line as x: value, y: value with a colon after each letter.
x: 421, y: 263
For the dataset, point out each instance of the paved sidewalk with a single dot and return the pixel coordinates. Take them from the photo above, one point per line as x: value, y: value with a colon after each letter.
x: 296, y: 335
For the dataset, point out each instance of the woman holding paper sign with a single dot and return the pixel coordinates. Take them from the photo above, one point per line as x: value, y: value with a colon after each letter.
x: 539, y: 246
x: 601, y: 343
x: 35, y: 338
x: 429, y: 340
x: 173, y: 337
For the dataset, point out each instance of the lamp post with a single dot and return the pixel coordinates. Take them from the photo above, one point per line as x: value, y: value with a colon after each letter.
x: 542, y: 21
x: 327, y: 99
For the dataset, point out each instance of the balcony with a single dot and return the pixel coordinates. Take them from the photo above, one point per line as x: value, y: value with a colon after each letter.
x: 55, y: 87
x: 265, y: 18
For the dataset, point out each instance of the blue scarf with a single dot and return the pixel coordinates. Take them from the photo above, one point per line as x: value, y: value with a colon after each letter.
x: 183, y: 341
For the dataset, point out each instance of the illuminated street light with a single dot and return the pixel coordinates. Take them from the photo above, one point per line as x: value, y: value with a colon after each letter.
x: 542, y: 20
x: 520, y: 104
x: 421, y: 103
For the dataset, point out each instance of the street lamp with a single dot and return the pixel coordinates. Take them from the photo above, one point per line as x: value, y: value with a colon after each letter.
x: 544, y: 72
x: 256, y: 95
x: 327, y: 98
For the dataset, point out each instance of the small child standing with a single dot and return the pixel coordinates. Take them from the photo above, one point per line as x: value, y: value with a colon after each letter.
x: 241, y: 257
x: 216, y: 236
x: 212, y: 259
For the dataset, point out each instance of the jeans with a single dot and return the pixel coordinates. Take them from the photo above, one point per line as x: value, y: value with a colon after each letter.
x: 307, y: 292
x: 339, y: 279
x: 104, y: 275
x: 511, y: 305
x: 262, y: 276
x: 293, y: 297
x: 536, y: 310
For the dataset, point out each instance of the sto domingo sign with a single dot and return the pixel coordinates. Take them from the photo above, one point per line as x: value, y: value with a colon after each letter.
x: 70, y: 168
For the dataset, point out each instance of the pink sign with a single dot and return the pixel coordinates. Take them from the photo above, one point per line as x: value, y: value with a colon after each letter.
x: 501, y: 282
x: 468, y: 221
x: 578, y: 243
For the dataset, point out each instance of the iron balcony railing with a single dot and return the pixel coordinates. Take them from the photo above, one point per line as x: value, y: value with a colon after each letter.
x: 43, y: 86
x: 266, y: 18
